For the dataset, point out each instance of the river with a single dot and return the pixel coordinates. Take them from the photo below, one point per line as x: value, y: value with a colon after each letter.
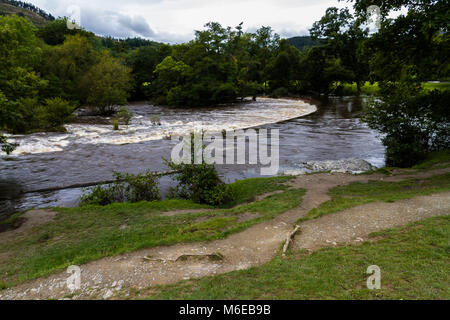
x: 90, y: 152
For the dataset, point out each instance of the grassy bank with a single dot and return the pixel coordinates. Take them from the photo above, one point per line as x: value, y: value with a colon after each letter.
x: 80, y: 235
x: 372, y: 89
x: 356, y: 194
x: 414, y: 262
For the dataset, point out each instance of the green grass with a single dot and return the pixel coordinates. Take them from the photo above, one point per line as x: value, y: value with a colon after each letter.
x: 434, y: 160
x: 80, y: 235
x: 414, y: 262
x: 436, y: 86
x: 367, y: 89
x: 358, y: 193
x: 373, y: 89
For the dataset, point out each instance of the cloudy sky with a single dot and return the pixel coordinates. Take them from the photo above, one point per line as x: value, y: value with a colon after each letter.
x: 174, y: 20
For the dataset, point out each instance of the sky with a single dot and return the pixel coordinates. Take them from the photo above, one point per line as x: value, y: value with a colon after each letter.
x: 174, y: 21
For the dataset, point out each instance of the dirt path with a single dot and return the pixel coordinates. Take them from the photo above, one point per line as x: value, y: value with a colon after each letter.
x: 255, y: 246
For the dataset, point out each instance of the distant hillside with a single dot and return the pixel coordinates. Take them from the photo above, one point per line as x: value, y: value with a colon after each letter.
x: 37, y: 16
x: 303, y: 42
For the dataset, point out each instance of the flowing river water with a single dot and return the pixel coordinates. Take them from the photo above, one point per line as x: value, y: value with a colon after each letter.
x: 90, y: 152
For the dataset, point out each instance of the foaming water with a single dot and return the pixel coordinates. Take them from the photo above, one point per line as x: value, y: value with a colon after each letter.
x: 172, y: 122
x: 88, y: 153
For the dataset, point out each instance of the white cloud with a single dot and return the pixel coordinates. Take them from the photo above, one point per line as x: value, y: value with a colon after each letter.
x: 175, y: 20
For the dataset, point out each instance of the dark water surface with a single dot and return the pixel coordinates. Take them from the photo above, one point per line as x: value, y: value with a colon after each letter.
x: 334, y: 132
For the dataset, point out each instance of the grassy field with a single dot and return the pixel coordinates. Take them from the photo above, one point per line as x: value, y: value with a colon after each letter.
x: 79, y: 235
x: 372, y: 89
x: 414, y: 263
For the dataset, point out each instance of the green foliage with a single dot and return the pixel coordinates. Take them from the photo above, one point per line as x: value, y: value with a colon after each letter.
x: 303, y: 42
x: 201, y: 184
x: 412, y: 45
x: 342, y: 56
x: 413, y: 121
x: 220, y: 65
x: 27, y: 114
x: 106, y: 84
x: 126, y: 188
x: 124, y: 115
x: 20, y: 54
x: 115, y: 124
x: 5, y: 146
x: 55, y: 32
x: 279, y: 92
x: 53, y: 113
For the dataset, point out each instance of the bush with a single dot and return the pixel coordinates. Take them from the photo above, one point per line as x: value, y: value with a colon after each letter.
x: 201, y: 184
x: 279, y: 92
x: 27, y: 115
x: 53, y: 114
x: 413, y: 121
x: 126, y: 188
x: 124, y: 115
x: 5, y: 146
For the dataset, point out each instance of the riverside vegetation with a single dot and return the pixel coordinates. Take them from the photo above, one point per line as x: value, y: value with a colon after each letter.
x: 47, y: 72
x: 80, y: 235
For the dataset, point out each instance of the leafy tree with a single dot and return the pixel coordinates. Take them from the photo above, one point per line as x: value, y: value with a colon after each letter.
x: 284, y: 67
x: 65, y: 65
x: 143, y: 62
x: 20, y: 54
x: 106, y: 84
x: 404, y: 52
x: 53, y: 113
x: 344, y: 40
x: 413, y: 122
x: 414, y: 45
x: 55, y: 32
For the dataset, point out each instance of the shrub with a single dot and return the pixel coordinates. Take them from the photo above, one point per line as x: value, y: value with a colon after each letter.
x: 53, y: 114
x: 201, y: 184
x: 413, y: 121
x: 279, y: 92
x: 115, y: 124
x: 125, y: 188
x: 124, y: 115
x: 5, y: 146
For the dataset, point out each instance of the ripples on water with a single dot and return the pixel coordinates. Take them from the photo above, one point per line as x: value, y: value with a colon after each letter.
x: 89, y: 153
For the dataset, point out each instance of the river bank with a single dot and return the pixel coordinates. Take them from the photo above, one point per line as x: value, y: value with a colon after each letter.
x: 270, y: 215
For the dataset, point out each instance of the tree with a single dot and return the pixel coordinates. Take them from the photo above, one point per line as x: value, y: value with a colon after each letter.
x: 414, y: 45
x: 284, y: 66
x: 55, y: 32
x: 20, y: 54
x: 106, y: 84
x: 66, y: 65
x: 404, y: 52
x: 344, y: 40
x: 412, y: 121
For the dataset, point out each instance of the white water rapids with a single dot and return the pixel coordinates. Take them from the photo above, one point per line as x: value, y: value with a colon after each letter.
x: 173, y: 122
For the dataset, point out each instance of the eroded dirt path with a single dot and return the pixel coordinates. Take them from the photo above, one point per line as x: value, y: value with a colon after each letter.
x: 255, y: 246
